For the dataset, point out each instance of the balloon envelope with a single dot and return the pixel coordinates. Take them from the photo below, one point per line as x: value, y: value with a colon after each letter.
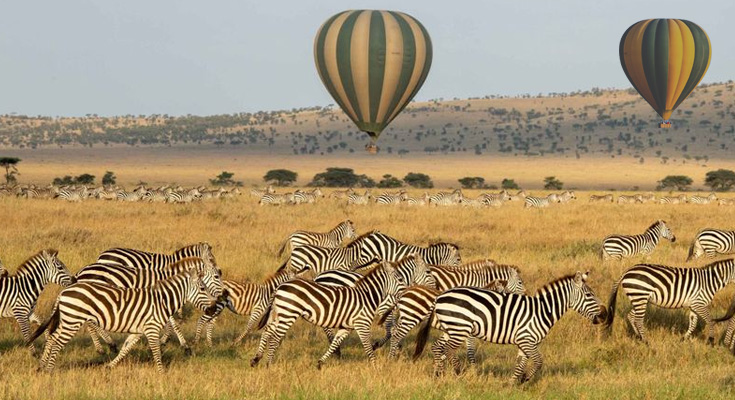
x: 372, y: 63
x: 665, y: 59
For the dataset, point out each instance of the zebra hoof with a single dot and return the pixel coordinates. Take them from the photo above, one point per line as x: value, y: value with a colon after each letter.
x: 376, y: 345
x: 187, y: 351
x: 338, y: 353
x: 254, y: 361
x: 711, y: 341
x: 319, y: 365
x: 113, y: 348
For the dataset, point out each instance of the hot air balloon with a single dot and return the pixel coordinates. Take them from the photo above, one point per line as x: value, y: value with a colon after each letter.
x: 372, y: 63
x: 665, y: 59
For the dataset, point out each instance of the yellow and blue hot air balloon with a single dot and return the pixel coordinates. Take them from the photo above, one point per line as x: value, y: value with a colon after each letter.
x: 372, y: 63
x: 665, y: 59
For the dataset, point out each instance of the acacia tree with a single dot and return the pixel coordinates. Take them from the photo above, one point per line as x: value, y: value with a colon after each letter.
x: 418, y: 180
x: 109, y: 179
x: 675, y: 182
x: 472, y: 182
x: 281, y: 177
x: 551, y: 183
x: 11, y: 169
x: 721, y: 180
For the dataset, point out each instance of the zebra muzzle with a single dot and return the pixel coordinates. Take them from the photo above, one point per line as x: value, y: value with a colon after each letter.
x: 601, y: 317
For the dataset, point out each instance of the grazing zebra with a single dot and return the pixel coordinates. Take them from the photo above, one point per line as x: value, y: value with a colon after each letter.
x: 711, y: 242
x: 680, y: 199
x: 332, y: 238
x: 389, y: 198
x: 540, y: 202
x: 276, y: 198
x: 418, y: 201
x: 567, y: 196
x: 259, y: 193
x: 703, y: 200
x: 244, y: 299
x: 19, y: 292
x: 319, y: 259
x: 134, y: 311
x: 310, y: 197
x: 725, y: 202
x: 359, y: 200
x: 623, y: 246
x: 341, y: 194
x: 507, y: 319
x: 671, y: 287
x: 604, y: 198
x: 342, y: 308
x: 446, y: 198
x: 381, y: 246
x: 632, y: 199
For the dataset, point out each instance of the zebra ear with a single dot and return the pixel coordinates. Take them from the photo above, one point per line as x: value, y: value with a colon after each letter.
x: 579, y: 277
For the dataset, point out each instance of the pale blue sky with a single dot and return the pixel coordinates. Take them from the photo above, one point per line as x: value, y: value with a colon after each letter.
x: 75, y: 57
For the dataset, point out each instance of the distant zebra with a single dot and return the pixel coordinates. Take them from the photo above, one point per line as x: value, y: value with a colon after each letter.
x: 136, y: 195
x: 540, y: 202
x: 567, y: 196
x: 341, y: 194
x: 418, y: 201
x: 332, y: 238
x: 703, y: 200
x: 319, y: 259
x: 726, y: 202
x: 73, y: 195
x: 496, y: 198
x: 384, y: 247
x: 680, y: 199
x: 183, y: 197
x: 276, y: 198
x: 711, y: 242
x: 19, y: 292
x: 672, y: 287
x: 623, y: 246
x: 521, y: 195
x: 308, y: 197
x: 359, y: 200
x: 342, y: 308
x: 468, y: 202
x: 388, y: 198
x: 445, y: 198
x: 134, y: 311
x: 256, y: 192
x: 506, y: 319
x: 157, y: 195
x: 632, y: 199
x: 604, y: 198
x: 39, y: 193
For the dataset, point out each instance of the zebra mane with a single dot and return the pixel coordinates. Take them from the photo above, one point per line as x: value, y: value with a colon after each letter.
x: 374, y: 266
x: 478, y: 265
x: 360, y: 238
x: 653, y: 225
x: 438, y: 244
x: 186, y: 260
x: 27, y: 265
x: 547, y: 287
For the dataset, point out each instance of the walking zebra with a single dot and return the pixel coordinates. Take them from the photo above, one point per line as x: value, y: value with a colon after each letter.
x: 138, y: 259
x: 319, y: 259
x: 632, y: 199
x: 477, y: 203
x: 729, y: 338
x: 342, y: 308
x: 672, y: 287
x: 341, y: 194
x: 711, y: 242
x: 623, y: 246
x: 725, y: 202
x: 384, y: 247
x: 703, y: 200
x: 496, y: 198
x: 134, y: 311
x: 540, y: 202
x: 567, y: 196
x: 518, y: 196
x: 680, y: 199
x: 73, y: 195
x: 507, y: 319
x: 446, y: 198
x: 259, y: 193
x: 333, y: 238
x: 183, y: 197
x: 301, y: 197
x: 604, y: 198
x: 418, y: 201
x: 276, y: 198
x: 19, y: 292
x: 359, y: 200
x: 389, y: 198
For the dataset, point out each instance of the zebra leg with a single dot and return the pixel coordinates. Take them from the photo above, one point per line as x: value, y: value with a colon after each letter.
x: 330, y: 338
x: 174, y: 326
x: 95, y: 340
x: 520, y: 368
x: 95, y: 332
x: 471, y: 350
x: 337, y: 340
x: 255, y: 316
x: 438, y: 350
x: 130, y: 341
x: 264, y: 339
x: 403, y: 327
x: 210, y: 328
x: 277, y: 337
x: 362, y: 327
x: 153, y: 336
x: 729, y: 339
x: 636, y: 316
x: 702, y: 310
x: 59, y: 339
x: 35, y: 319
x: 21, y: 315
x: 389, y: 323
x: 531, y: 351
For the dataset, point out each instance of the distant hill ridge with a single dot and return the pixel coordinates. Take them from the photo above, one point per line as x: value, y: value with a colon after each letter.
x: 609, y: 123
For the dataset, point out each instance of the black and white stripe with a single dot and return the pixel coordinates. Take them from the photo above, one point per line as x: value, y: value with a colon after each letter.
x: 446, y: 198
x: 332, y: 238
x: 308, y: 197
x: 383, y: 247
x: 359, y: 199
x: 540, y: 202
x: 276, y: 199
x: 711, y: 242
x: 702, y: 200
x: 622, y: 246
x: 680, y: 199
x: 319, y: 259
x: 632, y: 199
x: 391, y: 198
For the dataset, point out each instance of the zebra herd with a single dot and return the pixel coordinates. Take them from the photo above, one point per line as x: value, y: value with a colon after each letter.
x: 78, y: 193
x: 341, y: 282
x: 651, y: 198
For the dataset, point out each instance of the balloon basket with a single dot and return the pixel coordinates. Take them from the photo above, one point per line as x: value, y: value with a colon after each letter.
x: 664, y: 125
x: 372, y: 149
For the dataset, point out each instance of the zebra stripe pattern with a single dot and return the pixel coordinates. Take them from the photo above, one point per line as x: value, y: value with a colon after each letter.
x: 384, y: 247
x: 711, y: 242
x: 671, y: 287
x: 680, y: 199
x: 138, y: 259
x: 604, y: 198
x: 632, y: 199
x: 391, y: 199
x: 540, y: 202
x: 332, y: 238
x: 276, y: 199
x: 310, y: 197
x: 622, y: 246
x: 521, y: 320
x: 445, y: 198
x: 703, y: 200
x: 319, y: 259
x: 359, y: 199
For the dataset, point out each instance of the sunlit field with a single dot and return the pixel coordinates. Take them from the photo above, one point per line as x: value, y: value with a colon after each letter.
x: 579, y: 362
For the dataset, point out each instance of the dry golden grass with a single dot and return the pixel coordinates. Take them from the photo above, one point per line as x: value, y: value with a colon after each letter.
x: 579, y: 362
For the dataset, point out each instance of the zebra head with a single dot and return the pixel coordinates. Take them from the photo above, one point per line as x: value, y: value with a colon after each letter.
x: 55, y: 270
x: 498, y: 285
x: 665, y: 232
x: 350, y: 231
x: 205, y: 252
x: 212, y: 278
x: 712, y: 197
x: 583, y: 300
x: 514, y: 283
x: 443, y: 254
x: 197, y: 289
x: 414, y: 271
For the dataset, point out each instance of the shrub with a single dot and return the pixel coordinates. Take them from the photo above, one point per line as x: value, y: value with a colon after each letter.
x: 472, y: 182
x: 551, y: 183
x: 281, y: 177
x: 390, y: 181
x: 225, y: 179
x: 418, y: 180
x: 675, y: 182
x: 720, y: 180
x: 341, y: 177
x: 509, y: 184
x: 109, y: 178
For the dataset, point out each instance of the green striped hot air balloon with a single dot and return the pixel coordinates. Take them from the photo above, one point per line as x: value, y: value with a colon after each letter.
x: 665, y: 59
x: 372, y: 63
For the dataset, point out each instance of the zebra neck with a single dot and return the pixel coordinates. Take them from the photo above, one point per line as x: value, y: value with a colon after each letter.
x: 553, y: 303
x: 276, y: 280
x: 172, y: 294
x: 654, y: 235
x: 724, y: 271
x: 336, y: 234
x: 372, y: 288
x: 32, y: 281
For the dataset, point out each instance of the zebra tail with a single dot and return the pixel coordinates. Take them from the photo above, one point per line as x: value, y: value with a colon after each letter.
x: 691, y: 250
x: 611, y: 306
x: 283, y: 246
x: 730, y: 313
x: 51, y: 324
x: 264, y: 318
x: 382, y: 319
x: 423, y: 336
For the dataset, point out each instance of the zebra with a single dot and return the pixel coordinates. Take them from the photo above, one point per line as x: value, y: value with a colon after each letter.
x: 507, y: 319
x: 680, y: 199
x: 138, y: 259
x: 623, y: 246
x: 729, y: 338
x: 255, y: 192
x: 19, y: 292
x: 725, y: 202
x: 645, y: 198
x: 243, y: 299
x: 604, y: 198
x: 135, y: 311
x: 445, y: 198
x: 388, y: 198
x: 73, y: 195
x: 310, y: 197
x: 703, y: 200
x: 276, y: 198
x: 183, y: 197
x: 672, y: 287
x: 418, y: 201
x: 157, y: 195
x: 632, y: 199
x: 39, y: 193
x: 341, y: 194
x: 383, y: 247
x: 490, y: 198
x: 341, y: 308
x: 540, y: 202
x: 567, y: 196
x: 477, y: 203
x: 711, y: 242
x: 521, y: 195
x: 332, y: 238
x: 319, y: 259
x: 359, y: 200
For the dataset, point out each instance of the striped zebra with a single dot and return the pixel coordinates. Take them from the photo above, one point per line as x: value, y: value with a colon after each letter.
x: 540, y: 202
x: 341, y: 194
x: 632, y: 199
x: 276, y: 199
x: 184, y: 197
x: 418, y: 201
x: 623, y: 246
x: 73, y: 195
x: 359, y: 200
x: 446, y: 198
x: 107, y: 194
x: 711, y: 242
x: 567, y: 196
x: 680, y: 199
x: 603, y: 198
x: 383, y: 247
x: 729, y: 338
x: 244, y: 299
x: 319, y: 259
x: 138, y: 259
x: 521, y: 195
x: 703, y: 200
x: 497, y: 198
x: 19, y: 292
x: 332, y: 238
x: 39, y: 193
x: 136, y: 195
x: 259, y: 193
x: 156, y: 195
x: 137, y: 312
x: 507, y: 319
x: 342, y: 308
x: 390, y: 198
x: 672, y: 287
x: 308, y: 197
x: 469, y: 202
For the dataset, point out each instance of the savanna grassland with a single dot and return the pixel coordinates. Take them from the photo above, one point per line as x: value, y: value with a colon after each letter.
x: 579, y: 361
